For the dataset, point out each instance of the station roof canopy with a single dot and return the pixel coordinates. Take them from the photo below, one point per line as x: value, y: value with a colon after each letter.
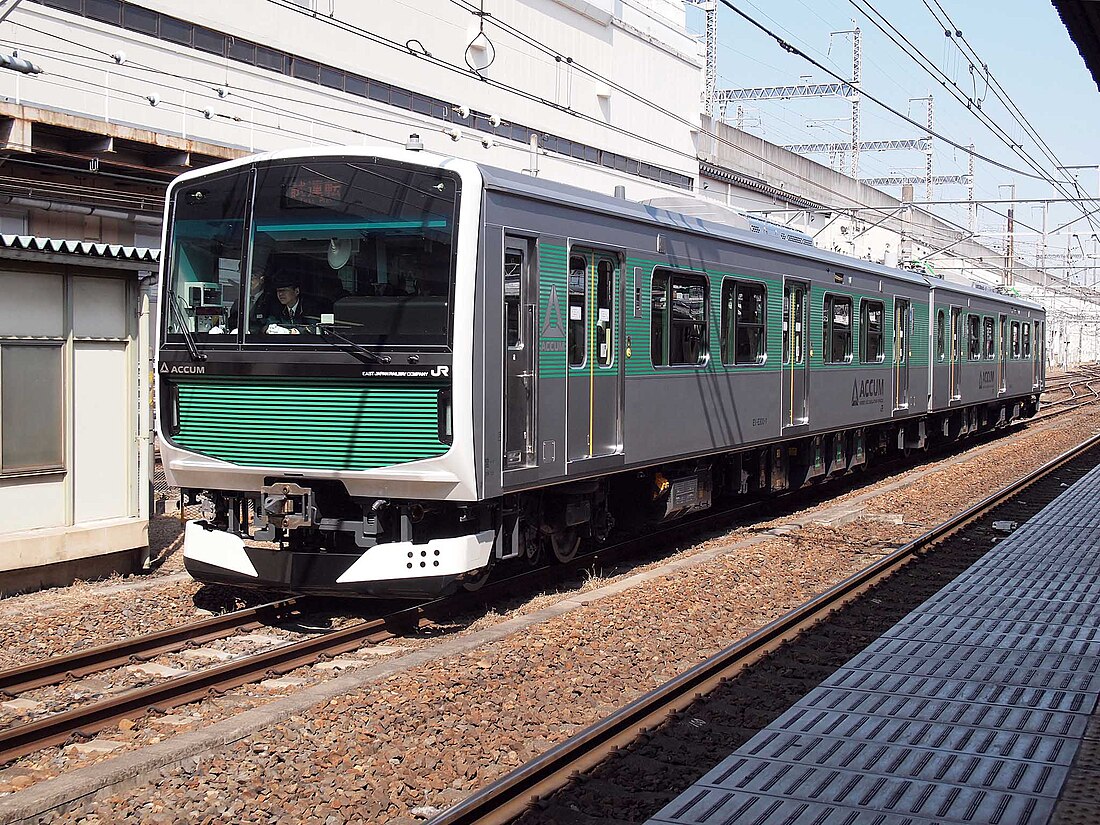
x: 1082, y: 20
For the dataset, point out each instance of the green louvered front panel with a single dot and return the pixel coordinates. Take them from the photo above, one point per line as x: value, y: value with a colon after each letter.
x: 303, y: 423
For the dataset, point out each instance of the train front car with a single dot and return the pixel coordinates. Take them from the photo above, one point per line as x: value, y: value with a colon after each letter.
x: 313, y: 369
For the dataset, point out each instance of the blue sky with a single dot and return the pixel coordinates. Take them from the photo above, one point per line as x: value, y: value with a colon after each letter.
x: 1025, y: 45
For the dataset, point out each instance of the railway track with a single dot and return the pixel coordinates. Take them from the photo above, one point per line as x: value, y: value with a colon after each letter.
x: 509, y: 797
x: 56, y: 729
x: 142, y: 648
x: 81, y: 722
x: 1082, y: 391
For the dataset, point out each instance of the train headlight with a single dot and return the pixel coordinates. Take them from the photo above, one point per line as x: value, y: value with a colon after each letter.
x: 446, y: 417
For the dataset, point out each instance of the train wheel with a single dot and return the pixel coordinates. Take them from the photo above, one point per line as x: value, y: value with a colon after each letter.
x: 565, y: 544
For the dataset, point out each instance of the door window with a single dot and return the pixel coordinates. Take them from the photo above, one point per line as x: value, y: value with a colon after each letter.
x: 578, y: 299
x: 513, y: 298
x: 605, y: 306
x: 901, y: 321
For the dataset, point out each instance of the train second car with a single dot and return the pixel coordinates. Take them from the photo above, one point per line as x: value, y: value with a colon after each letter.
x: 384, y: 372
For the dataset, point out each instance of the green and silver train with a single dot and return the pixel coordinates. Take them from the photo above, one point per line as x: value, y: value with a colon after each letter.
x: 383, y: 372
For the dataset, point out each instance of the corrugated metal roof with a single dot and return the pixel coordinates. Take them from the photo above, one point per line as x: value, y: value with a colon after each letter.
x: 89, y: 249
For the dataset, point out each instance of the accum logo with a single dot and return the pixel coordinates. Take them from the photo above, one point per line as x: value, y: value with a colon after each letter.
x: 183, y: 369
x: 553, y: 327
x: 868, y: 391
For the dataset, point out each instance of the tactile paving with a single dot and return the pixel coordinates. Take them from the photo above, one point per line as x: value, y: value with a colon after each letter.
x: 971, y: 709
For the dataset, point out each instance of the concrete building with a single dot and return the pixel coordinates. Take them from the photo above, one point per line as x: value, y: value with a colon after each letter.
x: 608, y: 90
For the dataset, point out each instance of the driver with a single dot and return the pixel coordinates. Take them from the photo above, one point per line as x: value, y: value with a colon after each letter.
x: 293, y: 308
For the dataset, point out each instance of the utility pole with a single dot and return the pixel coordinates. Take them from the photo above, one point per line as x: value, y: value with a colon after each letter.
x: 857, y: 64
x: 710, y: 7
x: 1010, y: 229
x: 1009, y: 273
x: 970, y: 193
x: 931, y: 123
x: 928, y: 154
x: 857, y: 74
x: 1043, y: 249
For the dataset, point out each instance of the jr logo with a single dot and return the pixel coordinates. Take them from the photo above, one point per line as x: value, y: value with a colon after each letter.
x: 441, y: 372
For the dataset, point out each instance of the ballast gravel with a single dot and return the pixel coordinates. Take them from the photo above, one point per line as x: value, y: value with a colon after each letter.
x: 402, y: 748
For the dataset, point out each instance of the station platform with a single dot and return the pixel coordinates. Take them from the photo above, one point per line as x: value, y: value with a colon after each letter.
x: 980, y: 706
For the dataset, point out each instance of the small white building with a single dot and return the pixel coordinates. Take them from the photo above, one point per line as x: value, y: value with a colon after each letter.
x: 74, y: 411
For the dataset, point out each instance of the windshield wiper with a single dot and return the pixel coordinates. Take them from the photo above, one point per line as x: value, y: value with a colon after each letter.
x: 192, y: 347
x: 325, y: 329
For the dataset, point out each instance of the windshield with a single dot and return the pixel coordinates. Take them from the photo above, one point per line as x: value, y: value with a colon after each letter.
x: 204, y: 269
x: 357, y: 247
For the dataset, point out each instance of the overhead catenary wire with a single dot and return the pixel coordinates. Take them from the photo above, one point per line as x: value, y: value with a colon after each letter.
x: 922, y: 126
x: 403, y: 48
x: 998, y: 88
x: 418, y: 55
x: 466, y: 4
x: 883, y: 24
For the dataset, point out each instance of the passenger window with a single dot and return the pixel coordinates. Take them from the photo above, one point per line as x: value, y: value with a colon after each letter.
x: 1027, y: 340
x: 679, y: 318
x: 941, y: 336
x: 837, y: 329
x: 871, y: 348
x: 987, y: 338
x: 744, y: 337
x: 513, y: 277
x: 1015, y: 339
x: 973, y: 339
x: 605, y: 305
x: 578, y: 295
